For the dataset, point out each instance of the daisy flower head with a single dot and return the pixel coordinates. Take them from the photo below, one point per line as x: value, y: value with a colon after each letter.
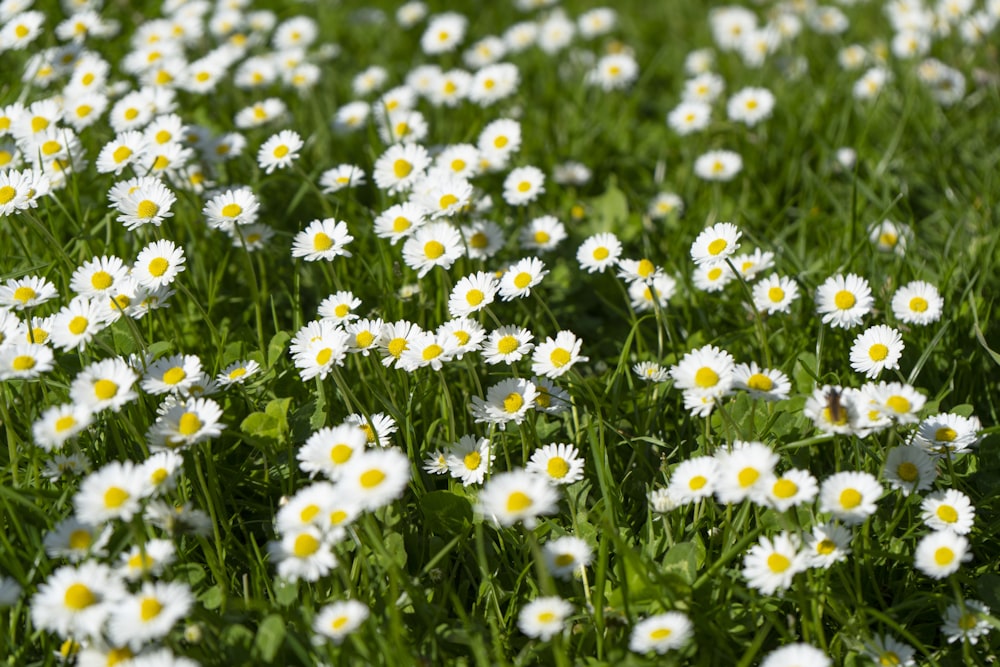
x: 544, y: 617
x: 337, y: 620
x: 113, y: 492
x: 775, y: 294
x: 468, y: 335
x: 655, y: 293
x: 363, y: 335
x: 395, y: 339
x: 706, y: 370
x: 615, y: 71
x: 828, y: 543
x: 98, y: 276
x: 507, y: 345
x: 401, y: 126
x: 833, y: 409
x: 665, y: 204
x: 493, y: 83
x: 237, y: 372
x: 895, y: 400
x: 909, y: 469
x: 174, y: 374
x: 161, y: 471
x: 751, y: 264
x: 948, y: 510
x: 712, y: 276
x: 76, y: 541
x: 350, y: 117
x: 793, y: 655
x: 762, y: 383
x: 941, y: 554
x: 718, y: 165
x: 26, y: 292
x: 789, y: 489
x: 965, y: 621
x: 339, y: 308
x: 844, y: 300
x: 279, y: 151
x: 660, y: 633
x: 507, y: 401
x: 641, y: 270
x: 76, y: 324
x: 399, y: 221
x: 515, y: 496
x: 523, y: 185
x: 375, y: 477
x: 341, y: 177
x: 184, y: 424
x: 553, y: 357
x: 24, y: 361
x: 74, y: 601
x: 146, y: 201
x: 443, y: 195
x: 499, y: 140
x: 694, y: 479
x: 427, y: 349
x: 303, y: 554
x: 322, y: 239
x: 918, y: 303
x: 566, y: 556
x: 330, y: 448
x: 689, y: 117
x: 771, y: 564
x: 232, y: 207
x: 662, y: 501
x: 571, y: 172
x: 518, y: 280
x: 876, y: 349
x: 434, y: 244
x: 104, y: 384
x: 599, y: 252
x: 317, y: 347
x: 60, y: 423
x: 444, y: 33
x: 469, y: 459
x: 560, y: 464
x: 149, y: 614
x: 472, y: 293
x: 947, y: 433
x: 483, y: 239
x: 742, y: 470
x: 716, y: 243
x: 555, y: 32
x: 158, y: 264
x: 436, y: 463
x: 126, y: 149
x: 850, y: 496
x: 551, y: 399
x: 750, y: 105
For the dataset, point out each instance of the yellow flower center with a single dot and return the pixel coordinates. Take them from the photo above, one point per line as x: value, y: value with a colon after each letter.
x: 541, y: 238
x: 785, y: 488
x: 908, y: 472
x: 364, y: 338
x: 898, y: 404
x: 23, y: 294
x: 371, y: 478
x: 281, y: 151
x: 101, y: 280
x: 400, y: 224
x: 918, y: 304
x: 39, y: 123
x: 121, y: 154
x: 305, y: 545
x: 189, y: 424
x: 161, y: 162
x: 564, y: 560
x: 878, y: 352
x: 323, y: 356
x: 660, y: 634
x: 23, y: 362
x: 826, y: 547
x: 80, y: 539
x: 947, y: 513
x: 105, y: 389
x: 778, y: 563
x: 849, y: 499
x: 507, y: 344
x: 447, y: 200
x: 432, y: 351
x: 945, y: 434
x: 513, y: 402
x: 479, y: 240
x: 518, y: 502
x: 522, y: 280
x: 158, y: 266
x: 115, y: 497
x: 401, y: 168
x: 844, y: 300
x: 717, y: 246
x: 500, y: 141
x: 472, y: 460
x: 760, y: 382
x: 748, y: 476
x: 340, y: 453
x: 231, y: 210
x: 131, y: 113
x: 78, y: 325
x: 559, y: 357
x: 944, y: 556
x: 149, y: 608
x: 433, y: 249
x: 322, y: 242
x: 697, y: 482
x: 705, y: 377
x: 557, y: 467
x: 51, y: 147
x: 601, y: 254
x: 474, y: 297
x: 174, y: 375
x: 65, y: 423
x: 78, y: 597
x: 397, y: 346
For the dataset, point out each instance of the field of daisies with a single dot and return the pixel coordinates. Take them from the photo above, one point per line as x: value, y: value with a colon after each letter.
x: 499, y: 333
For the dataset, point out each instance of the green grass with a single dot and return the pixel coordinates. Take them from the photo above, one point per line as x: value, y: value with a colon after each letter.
x: 443, y: 584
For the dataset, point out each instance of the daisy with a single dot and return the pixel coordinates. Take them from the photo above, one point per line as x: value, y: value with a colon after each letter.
x: 917, y: 303
x: 542, y: 234
x: 896, y: 401
x: 401, y: 126
x: 665, y: 204
x: 850, y: 496
x: 507, y: 345
x: 751, y: 264
x: 24, y: 361
x: 946, y: 433
x: 790, y: 489
x: 486, y: 51
x: 844, y: 300
x: 599, y: 252
x: 966, y: 621
x: 743, y: 470
x: 507, y: 401
x: 472, y: 293
x: 832, y: 409
x: 566, y: 556
x: 689, y: 117
x: 711, y: 277
x: 340, y: 177
x: 661, y: 633
x: 26, y: 292
x: 279, y: 151
x: 149, y: 614
x: 113, y: 492
x: 796, y: 654
x: 58, y: 424
x: 399, y: 221
x: 662, y: 501
x: 716, y: 243
x: 655, y: 293
x: 614, y: 71
x: 10, y: 592
x: 555, y: 356
x: 560, y: 464
x: 718, y: 165
x: 543, y: 617
x: 523, y: 185
x: 232, y: 207
x: 336, y: 621
x: 499, y: 140
x: 104, y: 384
x: 708, y: 370
x: 941, y: 553
x: 493, y: 83
x: 483, y: 239
x: 74, y: 601
x: 694, y: 479
x: 460, y: 160
x: 185, y: 424
x: 175, y: 374
x: 517, y: 496
x: 237, y: 372
x: 909, y: 469
x: 395, y: 339
x: 98, y: 276
x: 762, y: 383
x: 449, y: 88
x: 771, y: 564
x: 426, y: 349
x: 435, y: 244
x: 443, y: 195
x: 444, y: 32
x: 948, y: 510
x: 886, y: 650
x: 303, y: 554
x: 469, y: 459
x: 375, y: 477
x: 400, y: 167
x: 750, y: 105
x: 339, y: 308
x: 76, y: 540
x: 317, y: 347
x: 322, y: 239
x: 161, y: 471
x: 148, y: 202
x: 149, y: 559
x: 550, y: 399
x: 875, y: 349
x: 126, y: 149
x: 158, y: 264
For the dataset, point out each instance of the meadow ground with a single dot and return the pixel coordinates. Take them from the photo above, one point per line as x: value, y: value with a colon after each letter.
x: 499, y: 333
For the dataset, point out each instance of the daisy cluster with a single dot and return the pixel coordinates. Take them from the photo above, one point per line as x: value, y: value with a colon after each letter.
x: 255, y: 344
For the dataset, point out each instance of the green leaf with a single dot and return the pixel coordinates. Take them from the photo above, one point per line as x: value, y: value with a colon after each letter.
x: 160, y: 348
x: 236, y: 636
x: 446, y: 513
x: 682, y: 560
x: 286, y: 592
x: 212, y: 598
x: 192, y: 573
x: 395, y: 547
x: 277, y: 347
x: 270, y: 637
x: 609, y: 211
